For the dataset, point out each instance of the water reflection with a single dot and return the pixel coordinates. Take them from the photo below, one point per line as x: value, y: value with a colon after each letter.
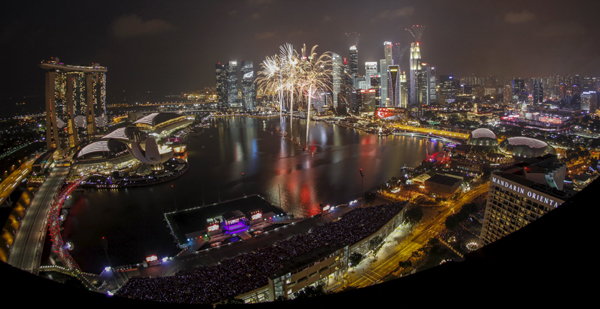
x: 133, y: 218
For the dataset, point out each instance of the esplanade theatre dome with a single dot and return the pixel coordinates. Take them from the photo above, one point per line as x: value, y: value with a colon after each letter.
x: 527, y: 147
x: 482, y: 137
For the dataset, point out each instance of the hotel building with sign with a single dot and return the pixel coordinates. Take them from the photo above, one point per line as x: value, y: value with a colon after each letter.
x: 521, y: 194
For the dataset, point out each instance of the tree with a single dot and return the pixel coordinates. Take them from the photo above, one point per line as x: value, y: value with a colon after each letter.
x: 355, y: 258
x: 374, y: 242
x: 370, y: 198
x: 414, y: 215
x: 310, y: 291
x: 405, y: 264
x: 233, y: 301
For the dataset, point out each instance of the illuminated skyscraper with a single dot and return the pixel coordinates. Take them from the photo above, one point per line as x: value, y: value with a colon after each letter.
x: 75, y: 101
x: 387, y: 51
x: 589, y: 101
x: 232, y: 85
x: 370, y: 69
x: 415, y: 73
x: 221, y: 74
x: 521, y: 194
x: 248, y: 86
x: 538, y: 91
x: 353, y: 61
x: 383, y: 72
x: 394, y: 77
x: 337, y: 77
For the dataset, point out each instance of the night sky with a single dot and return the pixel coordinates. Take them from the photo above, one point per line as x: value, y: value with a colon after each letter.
x: 173, y: 46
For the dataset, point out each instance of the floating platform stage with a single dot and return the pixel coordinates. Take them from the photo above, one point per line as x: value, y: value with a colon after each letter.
x: 194, y: 220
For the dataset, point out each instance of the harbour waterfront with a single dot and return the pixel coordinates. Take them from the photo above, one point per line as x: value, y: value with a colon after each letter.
x: 238, y: 156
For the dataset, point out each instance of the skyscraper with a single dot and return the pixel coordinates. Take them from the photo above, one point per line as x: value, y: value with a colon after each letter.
x: 388, y: 52
x: 383, y: 72
x: 394, y: 76
x: 589, y: 101
x: 370, y: 69
x: 353, y: 61
x: 415, y: 73
x: 248, y: 86
x: 337, y: 77
x: 448, y: 88
x: 232, y: 85
x: 521, y: 194
x: 538, y: 91
x: 75, y: 100
x: 221, y: 74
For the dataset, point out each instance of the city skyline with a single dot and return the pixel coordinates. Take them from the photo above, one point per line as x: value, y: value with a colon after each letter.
x: 174, y: 49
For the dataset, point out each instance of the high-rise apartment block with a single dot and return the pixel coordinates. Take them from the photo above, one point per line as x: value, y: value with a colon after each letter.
x: 521, y: 194
x: 75, y: 99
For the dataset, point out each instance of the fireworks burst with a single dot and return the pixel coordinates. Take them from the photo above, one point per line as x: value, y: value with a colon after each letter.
x: 353, y: 38
x: 416, y: 31
x: 398, y: 52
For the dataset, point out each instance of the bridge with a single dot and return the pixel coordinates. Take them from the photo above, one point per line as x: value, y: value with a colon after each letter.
x: 433, y: 132
x: 26, y: 252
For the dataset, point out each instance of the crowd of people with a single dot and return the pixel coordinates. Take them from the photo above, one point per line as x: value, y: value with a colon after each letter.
x: 249, y: 271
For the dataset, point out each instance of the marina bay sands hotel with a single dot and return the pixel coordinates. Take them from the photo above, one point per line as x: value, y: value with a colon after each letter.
x: 75, y: 99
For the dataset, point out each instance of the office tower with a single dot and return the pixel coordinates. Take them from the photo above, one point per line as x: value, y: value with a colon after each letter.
x: 415, y: 73
x: 376, y: 84
x: 370, y: 70
x: 448, y: 88
x: 428, y: 82
x: 538, y: 91
x: 589, y: 101
x: 353, y: 61
x: 521, y: 194
x: 366, y: 99
x: 337, y: 77
x: 383, y: 72
x: 388, y: 52
x: 232, y: 85
x: 403, y: 90
x: 221, y: 74
x: 394, y: 76
x: 248, y: 87
x: 75, y: 97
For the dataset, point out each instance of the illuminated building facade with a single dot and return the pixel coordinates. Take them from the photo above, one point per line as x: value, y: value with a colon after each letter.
x: 538, y: 91
x: 448, y: 88
x: 248, y: 86
x: 353, y: 61
x: 337, y: 77
x: 232, y: 85
x: 75, y: 99
x: 589, y: 101
x: 415, y: 73
x: 521, y: 194
x: 370, y: 70
x: 221, y: 74
x: 394, y: 76
x: 383, y: 72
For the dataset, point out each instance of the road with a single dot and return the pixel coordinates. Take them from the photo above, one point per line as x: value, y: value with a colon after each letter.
x: 389, y: 256
x: 9, y: 184
x: 27, y: 248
